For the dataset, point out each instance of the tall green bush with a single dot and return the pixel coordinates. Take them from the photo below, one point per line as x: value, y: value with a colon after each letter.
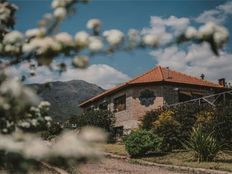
x: 204, y: 146
x: 169, y: 129
x: 149, y: 118
x: 139, y: 142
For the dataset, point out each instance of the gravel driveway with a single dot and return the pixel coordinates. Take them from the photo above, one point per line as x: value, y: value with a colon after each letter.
x: 116, y: 166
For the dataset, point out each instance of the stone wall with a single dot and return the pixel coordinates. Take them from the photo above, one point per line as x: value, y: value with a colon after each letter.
x: 164, y: 94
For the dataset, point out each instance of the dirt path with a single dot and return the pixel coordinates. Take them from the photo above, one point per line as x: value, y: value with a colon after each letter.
x: 115, y: 166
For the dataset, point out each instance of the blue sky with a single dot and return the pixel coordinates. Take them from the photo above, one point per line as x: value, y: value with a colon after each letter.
x: 126, y: 14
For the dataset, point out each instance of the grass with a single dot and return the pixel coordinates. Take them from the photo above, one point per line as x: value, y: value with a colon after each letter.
x: 118, y: 149
x: 181, y: 158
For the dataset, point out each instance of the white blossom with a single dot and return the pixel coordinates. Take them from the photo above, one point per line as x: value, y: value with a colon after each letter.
x: 11, y: 49
x: 48, y: 17
x: 206, y: 30
x: 28, y: 96
x: 48, y: 118
x: 134, y: 35
x: 211, y: 30
x: 60, y: 13
x: 65, y: 39
x: 42, y: 45
x: 4, y: 11
x: 13, y: 37
x: 69, y: 145
x: 82, y: 38
x: 113, y: 37
x: 80, y: 61
x: 34, y: 109
x: 51, y: 43
x: 28, y: 48
x: 36, y: 32
x: 27, y: 145
x: 24, y: 124
x: 150, y: 40
x: 92, y: 134
x: 34, y: 122
x: 94, y: 24
x: 221, y: 35
x: 191, y: 33
x: 44, y: 104
x: 95, y: 44
x: 58, y: 3
x: 36, y: 148
x: 11, y: 86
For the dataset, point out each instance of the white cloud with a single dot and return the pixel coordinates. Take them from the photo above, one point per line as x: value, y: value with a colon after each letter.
x: 217, y: 15
x: 226, y: 8
x: 166, y: 28
x: 99, y: 74
x: 195, y: 60
x: 211, y: 15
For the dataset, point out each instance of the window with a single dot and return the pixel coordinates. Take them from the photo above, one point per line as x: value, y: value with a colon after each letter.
x: 120, y: 103
x: 103, y: 106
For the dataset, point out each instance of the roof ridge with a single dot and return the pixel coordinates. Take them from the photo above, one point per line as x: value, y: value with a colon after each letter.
x: 193, y: 77
x: 161, y: 72
x: 143, y: 74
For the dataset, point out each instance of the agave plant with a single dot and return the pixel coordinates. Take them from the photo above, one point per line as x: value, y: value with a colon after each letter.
x: 204, y: 146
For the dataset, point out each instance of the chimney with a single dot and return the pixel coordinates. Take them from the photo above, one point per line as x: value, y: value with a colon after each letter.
x: 202, y: 76
x: 222, y: 82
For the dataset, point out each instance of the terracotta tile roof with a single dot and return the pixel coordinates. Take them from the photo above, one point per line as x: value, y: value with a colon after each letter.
x: 159, y: 74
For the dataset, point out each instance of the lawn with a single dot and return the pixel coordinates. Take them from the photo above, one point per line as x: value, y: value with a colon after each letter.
x: 180, y: 158
x: 118, y: 149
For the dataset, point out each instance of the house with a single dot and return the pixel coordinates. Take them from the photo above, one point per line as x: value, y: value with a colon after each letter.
x: 156, y: 88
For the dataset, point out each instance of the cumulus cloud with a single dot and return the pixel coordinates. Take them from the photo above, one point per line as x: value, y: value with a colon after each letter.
x: 197, y: 59
x: 217, y: 15
x: 166, y: 28
x: 193, y: 59
x: 99, y: 74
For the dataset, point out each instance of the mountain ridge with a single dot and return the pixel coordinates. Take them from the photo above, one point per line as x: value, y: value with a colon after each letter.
x: 65, y: 96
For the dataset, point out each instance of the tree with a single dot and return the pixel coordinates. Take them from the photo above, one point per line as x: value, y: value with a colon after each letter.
x: 98, y: 118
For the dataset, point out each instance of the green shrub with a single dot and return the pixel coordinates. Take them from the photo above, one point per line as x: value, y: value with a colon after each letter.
x: 204, y: 146
x: 139, y: 142
x: 149, y: 118
x: 98, y: 118
x: 205, y: 120
x: 169, y: 129
x: 54, y: 130
x: 174, y: 128
x: 222, y: 125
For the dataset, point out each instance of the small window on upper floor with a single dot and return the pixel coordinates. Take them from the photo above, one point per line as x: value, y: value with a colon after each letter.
x: 120, y: 103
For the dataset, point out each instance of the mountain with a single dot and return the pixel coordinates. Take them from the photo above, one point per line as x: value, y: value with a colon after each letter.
x: 66, y: 96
